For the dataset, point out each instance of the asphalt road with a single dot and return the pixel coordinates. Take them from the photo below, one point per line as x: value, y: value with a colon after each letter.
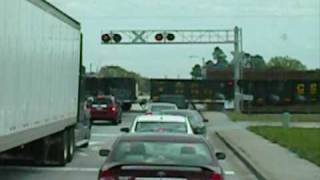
x: 86, y: 162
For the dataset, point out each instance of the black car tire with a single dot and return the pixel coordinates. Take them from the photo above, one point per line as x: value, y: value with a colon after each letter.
x: 71, y: 144
x: 116, y: 122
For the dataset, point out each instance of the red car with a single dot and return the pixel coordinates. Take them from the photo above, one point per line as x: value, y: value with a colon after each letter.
x: 105, y: 108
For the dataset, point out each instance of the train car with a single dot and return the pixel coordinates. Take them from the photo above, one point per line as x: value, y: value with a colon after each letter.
x: 192, y: 90
x: 125, y: 89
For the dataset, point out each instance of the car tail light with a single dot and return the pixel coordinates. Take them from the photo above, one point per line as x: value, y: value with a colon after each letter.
x: 106, y: 175
x: 216, y: 176
x: 113, y: 109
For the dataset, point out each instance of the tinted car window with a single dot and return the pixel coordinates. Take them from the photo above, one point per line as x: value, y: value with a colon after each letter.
x: 193, y: 116
x: 162, y: 153
x: 175, y: 127
x: 175, y: 99
x: 161, y: 108
x: 196, y: 117
x: 100, y: 101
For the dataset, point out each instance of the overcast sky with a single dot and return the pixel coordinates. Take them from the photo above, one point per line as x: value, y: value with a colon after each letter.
x: 270, y: 28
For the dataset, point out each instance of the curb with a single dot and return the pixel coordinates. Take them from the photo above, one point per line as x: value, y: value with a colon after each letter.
x: 246, y: 162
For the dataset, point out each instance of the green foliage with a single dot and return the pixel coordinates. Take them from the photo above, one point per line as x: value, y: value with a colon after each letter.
x: 234, y: 116
x: 196, y: 72
x: 220, y: 56
x: 303, y: 141
x: 256, y: 62
x: 209, y: 63
x: 285, y: 63
x: 117, y: 71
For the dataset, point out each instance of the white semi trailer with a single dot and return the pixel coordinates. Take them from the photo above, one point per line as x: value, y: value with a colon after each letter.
x: 39, y: 81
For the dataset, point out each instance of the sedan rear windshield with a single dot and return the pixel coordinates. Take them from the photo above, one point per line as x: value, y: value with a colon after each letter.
x: 102, y: 101
x: 161, y: 108
x: 172, y: 127
x: 162, y: 153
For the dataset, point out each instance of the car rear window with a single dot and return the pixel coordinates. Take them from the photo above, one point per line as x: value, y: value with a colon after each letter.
x: 102, y: 101
x: 171, y: 127
x: 156, y: 108
x: 193, y: 116
x: 162, y: 153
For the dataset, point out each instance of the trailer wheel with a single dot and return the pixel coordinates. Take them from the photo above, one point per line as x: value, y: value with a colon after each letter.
x: 40, y: 150
x: 61, y: 146
x: 71, y: 144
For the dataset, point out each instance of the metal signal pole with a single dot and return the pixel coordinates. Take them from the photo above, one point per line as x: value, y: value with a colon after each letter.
x: 177, y: 37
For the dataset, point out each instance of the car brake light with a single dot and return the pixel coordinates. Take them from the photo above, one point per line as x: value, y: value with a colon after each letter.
x: 216, y: 176
x: 106, y: 175
x: 113, y: 109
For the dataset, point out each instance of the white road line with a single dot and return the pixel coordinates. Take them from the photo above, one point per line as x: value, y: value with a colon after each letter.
x: 53, y: 169
x: 229, y: 172
x: 82, y: 154
x: 104, y: 135
x: 93, y: 143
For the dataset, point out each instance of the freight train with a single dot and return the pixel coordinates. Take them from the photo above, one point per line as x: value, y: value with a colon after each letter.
x: 124, y: 89
x: 276, y: 91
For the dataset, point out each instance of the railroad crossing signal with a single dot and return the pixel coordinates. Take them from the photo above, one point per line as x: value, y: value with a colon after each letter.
x: 149, y: 37
x: 122, y: 37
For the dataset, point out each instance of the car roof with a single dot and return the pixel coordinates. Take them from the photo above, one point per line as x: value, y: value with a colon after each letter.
x: 162, y: 118
x: 178, y: 138
x: 161, y: 104
x: 181, y: 110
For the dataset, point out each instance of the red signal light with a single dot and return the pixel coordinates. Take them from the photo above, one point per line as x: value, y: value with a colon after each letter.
x: 159, y: 37
x: 230, y: 83
x: 106, y: 38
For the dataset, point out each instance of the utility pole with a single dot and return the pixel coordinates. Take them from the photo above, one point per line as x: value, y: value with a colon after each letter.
x: 237, y: 69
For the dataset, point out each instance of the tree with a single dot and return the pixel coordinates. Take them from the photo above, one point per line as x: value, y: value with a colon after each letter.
x: 255, y: 62
x: 220, y: 56
x: 286, y: 63
x: 117, y: 71
x: 209, y: 63
x: 196, y: 72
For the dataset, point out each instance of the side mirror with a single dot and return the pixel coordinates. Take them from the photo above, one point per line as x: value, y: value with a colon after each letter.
x: 198, y: 131
x: 205, y: 120
x: 126, y: 130
x: 220, y: 155
x: 104, y: 152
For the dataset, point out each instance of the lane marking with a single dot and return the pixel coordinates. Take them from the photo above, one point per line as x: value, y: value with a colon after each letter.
x: 82, y: 154
x: 229, y: 173
x: 93, y: 143
x: 52, y: 169
x: 104, y: 135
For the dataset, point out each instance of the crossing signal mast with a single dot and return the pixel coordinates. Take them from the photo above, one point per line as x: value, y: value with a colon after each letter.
x: 167, y: 37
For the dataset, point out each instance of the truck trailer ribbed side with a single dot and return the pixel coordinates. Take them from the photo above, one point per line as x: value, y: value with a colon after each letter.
x: 39, y: 79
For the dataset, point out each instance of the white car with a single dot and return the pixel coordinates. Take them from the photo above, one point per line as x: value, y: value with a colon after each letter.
x: 156, y: 108
x: 160, y: 124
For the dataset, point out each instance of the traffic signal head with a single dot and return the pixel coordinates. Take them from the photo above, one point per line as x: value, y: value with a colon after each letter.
x: 159, y: 37
x: 105, y: 38
x: 116, y: 38
x: 230, y: 83
x: 170, y: 37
